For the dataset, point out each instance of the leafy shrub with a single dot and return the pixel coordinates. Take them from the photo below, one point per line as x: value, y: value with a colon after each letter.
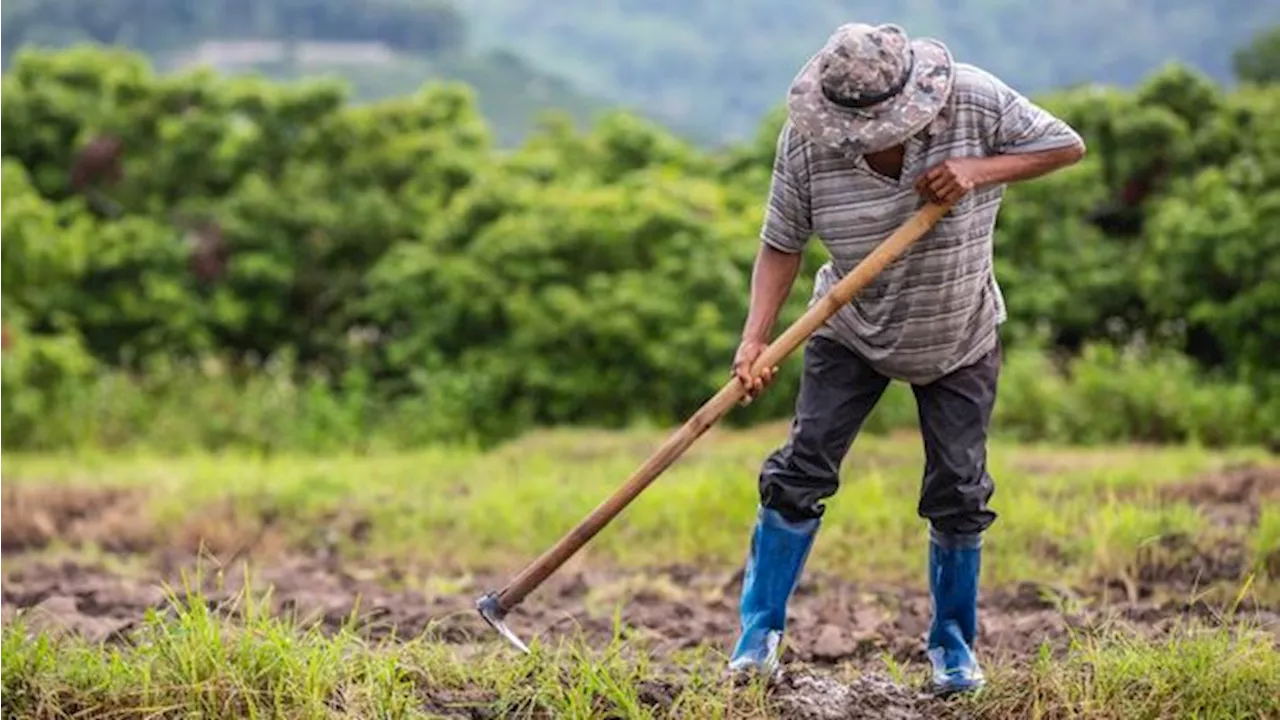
x: 379, y: 271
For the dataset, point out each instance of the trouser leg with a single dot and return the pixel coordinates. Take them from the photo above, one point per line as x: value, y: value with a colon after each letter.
x: 837, y: 391
x: 955, y: 414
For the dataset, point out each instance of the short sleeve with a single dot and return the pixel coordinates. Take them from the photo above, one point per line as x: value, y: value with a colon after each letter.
x: 1019, y: 125
x: 787, y: 222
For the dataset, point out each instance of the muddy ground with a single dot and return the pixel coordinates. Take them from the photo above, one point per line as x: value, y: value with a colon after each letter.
x: 833, y: 622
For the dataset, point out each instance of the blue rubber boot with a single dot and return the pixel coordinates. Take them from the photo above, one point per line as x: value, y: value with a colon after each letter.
x: 779, y: 549
x: 954, y: 565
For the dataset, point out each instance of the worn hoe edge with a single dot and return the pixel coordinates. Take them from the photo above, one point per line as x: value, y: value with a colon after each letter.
x: 493, y: 613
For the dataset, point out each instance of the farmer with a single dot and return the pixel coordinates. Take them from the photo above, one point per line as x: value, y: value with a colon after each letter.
x: 878, y: 121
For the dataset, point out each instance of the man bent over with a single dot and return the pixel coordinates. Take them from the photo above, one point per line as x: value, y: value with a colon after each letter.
x: 877, y: 123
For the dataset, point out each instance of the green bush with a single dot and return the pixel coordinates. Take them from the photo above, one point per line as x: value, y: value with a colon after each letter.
x: 1128, y: 394
x: 55, y: 398
x: 382, y: 271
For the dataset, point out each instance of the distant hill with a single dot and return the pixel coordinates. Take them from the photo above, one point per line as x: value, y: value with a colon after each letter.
x: 718, y: 65
x: 380, y: 47
x: 163, y: 27
x: 510, y: 92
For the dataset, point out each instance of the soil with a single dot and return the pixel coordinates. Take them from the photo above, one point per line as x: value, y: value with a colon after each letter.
x: 832, y: 622
x: 1231, y: 496
x: 38, y: 515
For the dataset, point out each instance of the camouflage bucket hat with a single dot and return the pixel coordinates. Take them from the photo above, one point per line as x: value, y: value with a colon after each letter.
x: 869, y: 88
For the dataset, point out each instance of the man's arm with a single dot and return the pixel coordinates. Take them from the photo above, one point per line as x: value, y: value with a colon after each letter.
x: 1000, y: 169
x: 786, y: 230
x: 1023, y: 141
x: 771, y: 280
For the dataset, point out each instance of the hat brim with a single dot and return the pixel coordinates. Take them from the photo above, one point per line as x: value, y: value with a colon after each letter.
x: 879, y: 127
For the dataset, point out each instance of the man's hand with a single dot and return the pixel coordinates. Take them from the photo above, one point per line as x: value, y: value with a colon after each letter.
x: 746, y: 356
x: 951, y: 179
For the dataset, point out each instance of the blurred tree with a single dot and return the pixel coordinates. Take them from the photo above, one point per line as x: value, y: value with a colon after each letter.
x: 427, y: 40
x: 1259, y: 61
x: 257, y: 220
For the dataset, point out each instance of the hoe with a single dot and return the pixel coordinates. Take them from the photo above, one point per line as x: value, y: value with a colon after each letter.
x: 494, y: 606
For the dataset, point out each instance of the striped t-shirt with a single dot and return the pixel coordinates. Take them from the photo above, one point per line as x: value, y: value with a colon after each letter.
x: 937, y: 307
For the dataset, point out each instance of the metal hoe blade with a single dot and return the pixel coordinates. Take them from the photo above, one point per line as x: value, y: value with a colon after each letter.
x: 493, y: 613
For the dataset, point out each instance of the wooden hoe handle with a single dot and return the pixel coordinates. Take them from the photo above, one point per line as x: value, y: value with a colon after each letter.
x: 731, y: 394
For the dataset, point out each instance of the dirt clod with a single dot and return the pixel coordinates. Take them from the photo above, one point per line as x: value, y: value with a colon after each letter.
x: 833, y: 643
x: 812, y: 696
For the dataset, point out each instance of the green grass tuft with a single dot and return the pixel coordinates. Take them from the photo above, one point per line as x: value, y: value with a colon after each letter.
x: 1193, y: 673
x: 193, y: 662
x: 1064, y: 516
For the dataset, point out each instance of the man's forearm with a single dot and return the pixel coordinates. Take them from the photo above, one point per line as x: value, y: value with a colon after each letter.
x: 1001, y: 169
x: 771, y: 282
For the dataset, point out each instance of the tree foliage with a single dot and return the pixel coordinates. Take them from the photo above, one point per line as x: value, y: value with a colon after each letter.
x: 597, y: 277
x: 1259, y: 61
x: 427, y: 41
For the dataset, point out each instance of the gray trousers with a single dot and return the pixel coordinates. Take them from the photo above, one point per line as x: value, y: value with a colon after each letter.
x: 837, y: 392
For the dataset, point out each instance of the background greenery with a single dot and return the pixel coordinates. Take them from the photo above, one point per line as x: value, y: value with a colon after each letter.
x: 707, y: 70
x: 224, y: 267
x: 272, y: 257
x: 426, y: 40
